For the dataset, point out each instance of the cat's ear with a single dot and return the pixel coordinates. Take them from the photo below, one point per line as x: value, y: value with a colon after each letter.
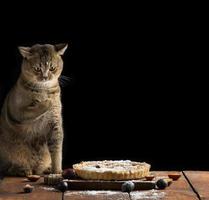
x: 60, y: 48
x: 25, y: 52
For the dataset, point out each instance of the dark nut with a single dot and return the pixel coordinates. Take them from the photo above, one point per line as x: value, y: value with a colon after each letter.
x: 62, y: 186
x: 28, y: 188
x: 128, y: 186
x: 162, y: 184
x: 69, y: 174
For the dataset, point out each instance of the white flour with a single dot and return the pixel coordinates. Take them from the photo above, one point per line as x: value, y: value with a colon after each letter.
x: 48, y: 188
x: 151, y: 195
x: 135, y: 195
x: 92, y: 192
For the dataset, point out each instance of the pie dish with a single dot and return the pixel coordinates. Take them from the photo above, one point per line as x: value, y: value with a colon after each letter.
x: 112, y: 170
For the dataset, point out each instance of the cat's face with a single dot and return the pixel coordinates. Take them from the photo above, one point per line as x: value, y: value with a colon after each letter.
x: 42, y: 63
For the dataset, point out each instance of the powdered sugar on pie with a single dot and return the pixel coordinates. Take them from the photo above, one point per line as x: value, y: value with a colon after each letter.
x: 112, y: 170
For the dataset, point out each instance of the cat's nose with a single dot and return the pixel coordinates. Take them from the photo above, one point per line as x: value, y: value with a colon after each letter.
x: 45, y: 74
x: 45, y: 77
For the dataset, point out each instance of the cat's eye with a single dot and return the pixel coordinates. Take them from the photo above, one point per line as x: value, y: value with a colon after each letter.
x: 52, y: 68
x: 37, y: 69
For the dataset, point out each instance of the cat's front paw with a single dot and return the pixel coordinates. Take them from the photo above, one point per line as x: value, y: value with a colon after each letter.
x: 19, y: 171
x: 48, y: 170
x: 27, y: 172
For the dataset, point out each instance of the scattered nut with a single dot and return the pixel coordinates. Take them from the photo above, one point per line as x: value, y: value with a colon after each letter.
x: 69, y: 174
x: 28, y: 188
x: 127, y: 186
x: 162, y: 184
x: 174, y: 176
x: 62, y: 186
x: 149, y: 177
x: 33, y: 178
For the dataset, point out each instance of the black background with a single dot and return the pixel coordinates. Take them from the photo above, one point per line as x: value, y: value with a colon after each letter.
x: 136, y: 89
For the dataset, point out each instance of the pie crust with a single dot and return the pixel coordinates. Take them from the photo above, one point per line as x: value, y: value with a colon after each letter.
x: 112, y: 170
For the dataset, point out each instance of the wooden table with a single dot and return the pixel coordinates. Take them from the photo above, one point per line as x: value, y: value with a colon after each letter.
x: 192, y: 185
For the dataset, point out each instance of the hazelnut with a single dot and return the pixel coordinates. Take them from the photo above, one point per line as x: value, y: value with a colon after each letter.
x: 174, y: 176
x: 33, y: 178
x: 28, y: 188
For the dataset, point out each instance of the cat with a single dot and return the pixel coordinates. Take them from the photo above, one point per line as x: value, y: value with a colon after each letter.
x: 31, y: 133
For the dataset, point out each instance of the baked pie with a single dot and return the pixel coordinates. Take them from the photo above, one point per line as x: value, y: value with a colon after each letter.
x: 112, y: 170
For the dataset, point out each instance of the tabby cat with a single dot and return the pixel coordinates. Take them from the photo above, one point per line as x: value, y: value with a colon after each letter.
x: 31, y: 133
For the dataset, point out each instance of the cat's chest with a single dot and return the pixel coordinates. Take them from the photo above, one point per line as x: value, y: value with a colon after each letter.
x: 38, y: 97
x: 29, y: 97
x: 38, y: 128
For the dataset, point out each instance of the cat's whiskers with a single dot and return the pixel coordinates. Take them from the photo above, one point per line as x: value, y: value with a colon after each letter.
x: 64, y: 80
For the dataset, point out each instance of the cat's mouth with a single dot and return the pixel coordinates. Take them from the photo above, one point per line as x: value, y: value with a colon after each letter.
x: 45, y: 79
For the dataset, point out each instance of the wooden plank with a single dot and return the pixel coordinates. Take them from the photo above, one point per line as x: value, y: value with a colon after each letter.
x: 200, y: 182
x: 11, y: 188
x: 179, y: 189
x: 107, y: 185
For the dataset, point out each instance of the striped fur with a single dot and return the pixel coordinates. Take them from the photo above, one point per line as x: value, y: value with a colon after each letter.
x: 31, y: 133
